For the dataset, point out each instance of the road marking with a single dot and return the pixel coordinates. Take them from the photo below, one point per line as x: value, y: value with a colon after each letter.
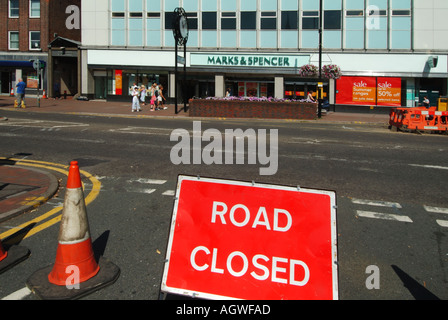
x: 436, y: 209
x: 147, y: 181
x: 169, y: 193
x: 18, y: 295
x: 44, y: 124
x: 442, y: 223
x: 377, y: 203
x: 93, y: 194
x: 429, y: 166
x: 384, y: 216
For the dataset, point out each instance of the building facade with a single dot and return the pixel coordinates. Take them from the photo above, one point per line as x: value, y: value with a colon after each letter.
x: 390, y: 52
x: 28, y: 28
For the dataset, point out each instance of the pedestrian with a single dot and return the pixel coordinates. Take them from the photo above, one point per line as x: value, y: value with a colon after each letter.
x: 57, y: 91
x: 161, y: 97
x: 310, y: 97
x: 20, y: 94
x: 135, y: 102
x: 426, y: 102
x: 143, y: 94
x: 153, y: 96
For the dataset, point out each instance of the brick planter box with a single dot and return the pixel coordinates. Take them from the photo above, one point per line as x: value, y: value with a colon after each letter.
x: 252, y: 109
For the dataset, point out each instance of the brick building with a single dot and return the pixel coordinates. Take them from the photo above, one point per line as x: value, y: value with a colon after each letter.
x: 47, y: 30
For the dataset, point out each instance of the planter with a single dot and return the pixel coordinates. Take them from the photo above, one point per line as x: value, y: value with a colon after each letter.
x: 252, y: 109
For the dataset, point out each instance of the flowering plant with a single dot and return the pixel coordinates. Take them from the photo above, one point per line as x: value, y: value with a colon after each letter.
x: 308, y: 70
x: 255, y: 99
x: 331, y: 71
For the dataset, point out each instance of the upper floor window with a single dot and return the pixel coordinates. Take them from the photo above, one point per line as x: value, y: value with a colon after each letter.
x: 13, y: 8
x: 34, y: 40
x: 13, y: 41
x: 34, y: 8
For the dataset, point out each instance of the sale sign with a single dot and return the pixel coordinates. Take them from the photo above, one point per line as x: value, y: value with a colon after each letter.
x: 240, y: 240
x: 389, y: 92
x: 356, y: 90
x: 370, y: 91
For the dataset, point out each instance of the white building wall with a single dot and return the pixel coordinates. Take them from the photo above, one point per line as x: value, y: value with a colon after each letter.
x: 431, y: 25
x: 95, y: 17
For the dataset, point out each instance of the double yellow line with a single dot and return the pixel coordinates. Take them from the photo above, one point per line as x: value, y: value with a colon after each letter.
x: 55, y: 167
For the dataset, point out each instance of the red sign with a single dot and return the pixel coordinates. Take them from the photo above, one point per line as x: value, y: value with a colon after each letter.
x: 370, y: 91
x: 389, y: 92
x: 356, y: 90
x: 238, y: 240
x: 118, y: 82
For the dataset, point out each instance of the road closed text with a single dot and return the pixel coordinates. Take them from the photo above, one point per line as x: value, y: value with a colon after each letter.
x: 280, y: 270
x: 277, y: 269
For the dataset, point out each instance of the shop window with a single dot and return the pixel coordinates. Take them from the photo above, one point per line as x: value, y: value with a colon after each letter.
x: 248, y: 20
x: 34, y: 40
x: 13, y: 40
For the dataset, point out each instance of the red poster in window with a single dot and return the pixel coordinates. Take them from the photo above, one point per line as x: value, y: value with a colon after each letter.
x: 389, y: 92
x: 356, y: 90
x: 119, y: 82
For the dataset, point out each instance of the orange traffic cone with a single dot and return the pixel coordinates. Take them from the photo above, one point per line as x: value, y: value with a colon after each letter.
x: 75, y: 266
x: 3, y: 252
x: 13, y: 256
x: 12, y: 92
x: 75, y: 245
x: 44, y: 95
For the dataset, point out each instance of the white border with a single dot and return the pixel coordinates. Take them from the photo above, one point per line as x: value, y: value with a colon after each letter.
x: 194, y: 294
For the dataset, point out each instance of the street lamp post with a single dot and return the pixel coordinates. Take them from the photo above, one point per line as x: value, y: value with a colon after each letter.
x: 319, y: 100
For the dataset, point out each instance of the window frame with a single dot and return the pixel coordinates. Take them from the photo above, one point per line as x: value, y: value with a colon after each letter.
x: 11, y: 8
x: 31, y: 41
x: 30, y: 7
x: 9, y: 40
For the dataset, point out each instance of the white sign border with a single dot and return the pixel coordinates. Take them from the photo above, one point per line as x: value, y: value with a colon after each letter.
x: 166, y: 289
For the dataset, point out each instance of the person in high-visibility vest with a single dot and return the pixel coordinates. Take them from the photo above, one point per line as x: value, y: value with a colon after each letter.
x: 20, y: 94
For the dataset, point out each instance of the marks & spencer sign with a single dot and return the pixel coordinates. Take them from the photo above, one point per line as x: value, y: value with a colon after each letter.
x: 245, y: 60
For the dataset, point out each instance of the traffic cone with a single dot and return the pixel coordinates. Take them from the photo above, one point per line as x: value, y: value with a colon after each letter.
x: 44, y: 96
x: 75, y: 266
x: 3, y: 252
x: 75, y: 245
x: 13, y: 256
x: 12, y: 92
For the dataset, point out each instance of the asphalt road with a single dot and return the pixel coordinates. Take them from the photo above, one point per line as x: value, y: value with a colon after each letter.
x: 391, y: 196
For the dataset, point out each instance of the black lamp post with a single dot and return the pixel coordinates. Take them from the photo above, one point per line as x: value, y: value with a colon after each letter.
x: 319, y: 100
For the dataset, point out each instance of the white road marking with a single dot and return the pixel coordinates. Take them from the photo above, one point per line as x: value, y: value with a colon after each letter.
x: 169, y: 193
x: 436, y: 209
x: 377, y: 203
x: 384, y: 216
x: 18, y: 295
x: 429, y: 166
x: 442, y: 223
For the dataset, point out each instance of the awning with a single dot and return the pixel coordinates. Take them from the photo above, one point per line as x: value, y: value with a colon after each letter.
x: 17, y: 64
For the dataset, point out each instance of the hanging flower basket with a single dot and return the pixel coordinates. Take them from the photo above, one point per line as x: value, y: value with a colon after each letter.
x: 309, y: 71
x: 331, y: 71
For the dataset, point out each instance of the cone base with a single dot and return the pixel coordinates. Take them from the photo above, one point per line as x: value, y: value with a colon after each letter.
x: 15, y: 255
x: 39, y: 284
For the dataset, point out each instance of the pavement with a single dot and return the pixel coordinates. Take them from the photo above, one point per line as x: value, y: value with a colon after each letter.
x: 22, y: 188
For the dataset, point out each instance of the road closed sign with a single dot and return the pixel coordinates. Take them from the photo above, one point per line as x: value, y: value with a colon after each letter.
x: 240, y: 240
